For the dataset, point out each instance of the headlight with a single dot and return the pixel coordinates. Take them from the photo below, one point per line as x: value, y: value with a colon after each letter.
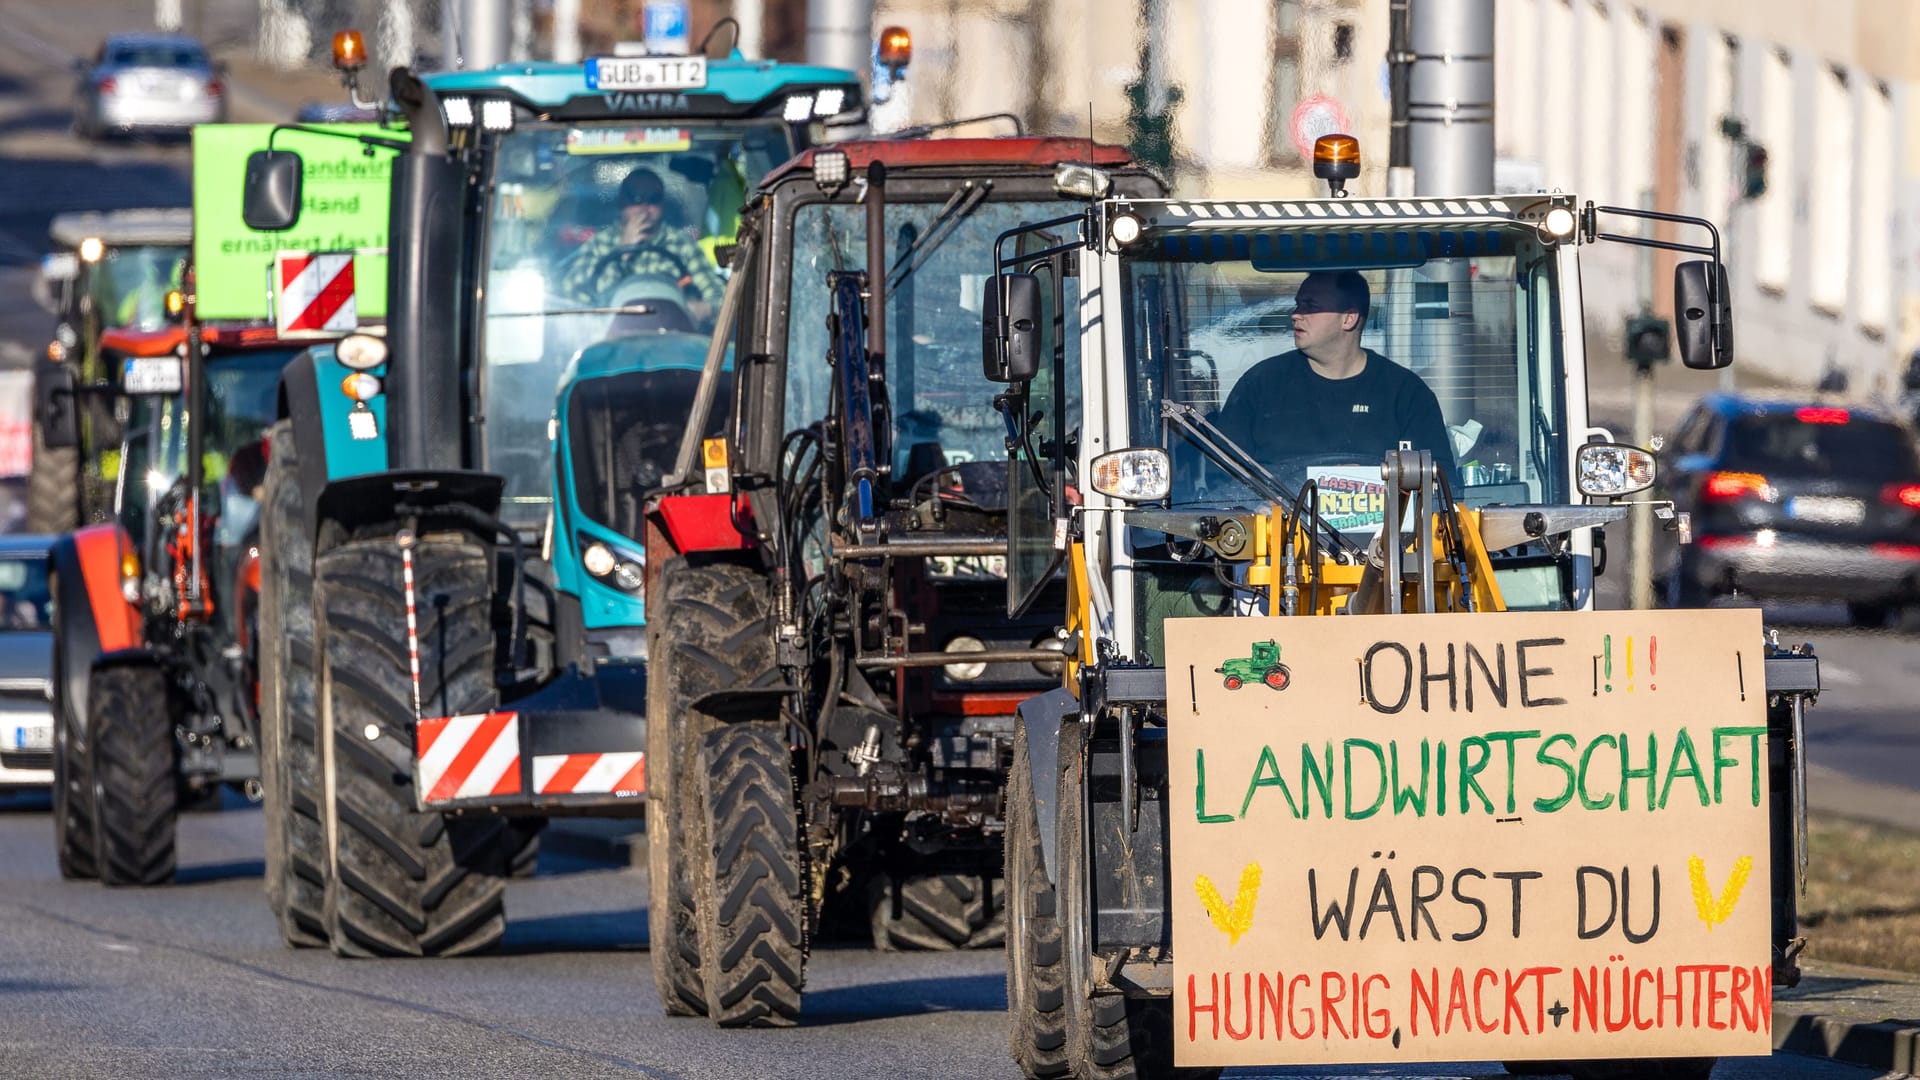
x: 496, y: 114
x: 966, y: 643
x: 1557, y: 224
x: 1134, y: 475
x: 1609, y: 470
x: 629, y: 576
x: 1082, y: 181
x: 459, y: 111
x: 598, y: 559
x: 361, y: 352
x: 798, y: 109
x: 1125, y: 229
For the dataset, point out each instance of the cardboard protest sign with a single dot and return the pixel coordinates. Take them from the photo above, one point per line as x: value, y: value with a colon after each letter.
x: 1468, y: 837
x: 343, y: 208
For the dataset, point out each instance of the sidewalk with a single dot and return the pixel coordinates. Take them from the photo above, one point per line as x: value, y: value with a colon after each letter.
x: 1861, y: 1016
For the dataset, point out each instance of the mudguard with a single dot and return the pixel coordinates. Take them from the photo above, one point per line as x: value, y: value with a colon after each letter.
x: 704, y: 522
x: 91, y: 616
x: 322, y: 434
x: 379, y: 497
x: 1046, y: 718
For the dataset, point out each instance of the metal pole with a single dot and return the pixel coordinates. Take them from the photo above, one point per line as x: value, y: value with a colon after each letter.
x: 1640, y: 517
x: 479, y: 33
x: 751, y: 15
x: 1450, y: 97
x: 566, y: 31
x: 1156, y: 13
x: 840, y: 33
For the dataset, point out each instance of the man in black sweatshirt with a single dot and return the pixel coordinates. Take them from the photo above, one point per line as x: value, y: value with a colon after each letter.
x: 1328, y: 395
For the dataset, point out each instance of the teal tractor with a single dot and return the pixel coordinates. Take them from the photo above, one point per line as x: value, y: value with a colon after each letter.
x: 469, y: 664
x: 1263, y: 666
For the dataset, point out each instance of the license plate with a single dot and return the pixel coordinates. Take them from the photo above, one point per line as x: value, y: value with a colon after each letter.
x: 1827, y: 509
x: 647, y: 73
x: 151, y: 375
x: 32, y: 737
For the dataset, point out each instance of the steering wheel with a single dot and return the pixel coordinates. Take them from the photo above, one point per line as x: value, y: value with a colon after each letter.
x: 685, y: 272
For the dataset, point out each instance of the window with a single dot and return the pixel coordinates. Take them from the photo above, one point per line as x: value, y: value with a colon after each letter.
x: 1284, y: 91
x: 1773, y: 211
x: 1872, y: 290
x: 1830, y: 209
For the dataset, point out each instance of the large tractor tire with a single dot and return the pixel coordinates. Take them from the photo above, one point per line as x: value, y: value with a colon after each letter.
x: 402, y: 882
x: 750, y: 899
x: 705, y: 616
x: 936, y: 913
x: 53, y: 488
x: 1036, y: 969
x: 75, y: 839
x: 135, y: 773
x: 296, y: 853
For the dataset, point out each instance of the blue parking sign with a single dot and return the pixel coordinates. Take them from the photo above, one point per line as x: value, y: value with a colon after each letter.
x: 664, y: 27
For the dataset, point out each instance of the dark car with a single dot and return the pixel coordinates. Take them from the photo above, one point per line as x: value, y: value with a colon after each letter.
x: 148, y: 83
x: 1794, y: 500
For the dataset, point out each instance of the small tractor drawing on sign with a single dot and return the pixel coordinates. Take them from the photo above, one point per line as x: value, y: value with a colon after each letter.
x: 1263, y: 666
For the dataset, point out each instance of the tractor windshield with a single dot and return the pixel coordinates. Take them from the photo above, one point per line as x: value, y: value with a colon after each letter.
x: 942, y: 405
x: 596, y: 232
x: 130, y: 285
x: 623, y: 434
x: 1316, y: 352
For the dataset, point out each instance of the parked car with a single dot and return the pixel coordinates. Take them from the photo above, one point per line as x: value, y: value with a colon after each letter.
x: 1794, y: 499
x: 26, y: 663
x: 148, y: 83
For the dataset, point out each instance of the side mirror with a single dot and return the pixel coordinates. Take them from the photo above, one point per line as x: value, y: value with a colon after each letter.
x: 1703, y: 314
x: 271, y: 199
x: 1011, y: 334
x: 55, y: 407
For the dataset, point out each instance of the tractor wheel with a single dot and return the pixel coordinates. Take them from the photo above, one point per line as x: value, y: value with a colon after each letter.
x: 938, y: 912
x: 1232, y: 682
x: 53, y: 488
x: 1110, y: 1036
x: 402, y: 882
x: 750, y: 899
x: 1277, y: 677
x: 74, y: 835
x: 708, y: 616
x: 296, y: 852
x: 1036, y: 973
x: 135, y: 773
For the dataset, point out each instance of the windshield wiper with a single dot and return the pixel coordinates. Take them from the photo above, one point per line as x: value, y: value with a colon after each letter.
x: 957, y: 207
x: 1242, y: 467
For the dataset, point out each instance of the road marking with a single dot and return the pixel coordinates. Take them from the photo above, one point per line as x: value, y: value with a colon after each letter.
x: 115, y: 946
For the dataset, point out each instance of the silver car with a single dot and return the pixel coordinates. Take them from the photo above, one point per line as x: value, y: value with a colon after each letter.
x: 26, y: 663
x: 148, y: 83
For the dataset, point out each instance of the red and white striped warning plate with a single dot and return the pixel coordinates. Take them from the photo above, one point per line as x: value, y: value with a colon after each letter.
x: 314, y: 293
x: 590, y: 774
x: 468, y: 757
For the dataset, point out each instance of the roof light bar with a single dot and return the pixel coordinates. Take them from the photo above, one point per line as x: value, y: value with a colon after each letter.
x: 458, y: 110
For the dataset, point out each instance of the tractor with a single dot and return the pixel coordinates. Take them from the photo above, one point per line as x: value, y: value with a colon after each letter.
x: 156, y: 639
x: 109, y: 271
x: 1263, y: 666
x: 454, y: 643
x: 1120, y: 336
x: 832, y: 685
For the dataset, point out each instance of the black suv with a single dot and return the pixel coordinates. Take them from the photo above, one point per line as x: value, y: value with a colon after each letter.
x: 1793, y: 499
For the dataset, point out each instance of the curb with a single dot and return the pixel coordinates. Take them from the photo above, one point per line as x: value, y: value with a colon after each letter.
x: 1888, y: 1046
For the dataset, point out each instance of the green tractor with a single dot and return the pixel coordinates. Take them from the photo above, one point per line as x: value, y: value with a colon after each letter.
x: 1263, y: 666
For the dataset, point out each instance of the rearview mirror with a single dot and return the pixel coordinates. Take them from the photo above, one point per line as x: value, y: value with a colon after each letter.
x: 1010, y: 328
x: 54, y: 405
x: 1703, y: 314
x: 271, y: 200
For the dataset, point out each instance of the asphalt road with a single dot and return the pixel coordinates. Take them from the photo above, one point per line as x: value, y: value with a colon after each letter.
x: 192, y: 980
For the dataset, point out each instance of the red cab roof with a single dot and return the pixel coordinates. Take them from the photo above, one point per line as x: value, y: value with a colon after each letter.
x: 167, y: 339
x: 1026, y: 150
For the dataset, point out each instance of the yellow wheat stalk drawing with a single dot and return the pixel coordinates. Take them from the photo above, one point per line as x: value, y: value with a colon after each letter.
x: 1710, y: 909
x: 1236, y: 918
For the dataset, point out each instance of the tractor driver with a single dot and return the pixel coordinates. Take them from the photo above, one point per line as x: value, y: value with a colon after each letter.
x: 1328, y: 396
x: 643, y: 246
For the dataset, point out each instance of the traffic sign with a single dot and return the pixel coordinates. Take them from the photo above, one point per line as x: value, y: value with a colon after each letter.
x: 1314, y: 116
x: 313, y: 293
x: 664, y: 27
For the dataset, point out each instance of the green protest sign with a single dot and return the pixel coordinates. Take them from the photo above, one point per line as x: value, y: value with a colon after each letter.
x: 344, y: 197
